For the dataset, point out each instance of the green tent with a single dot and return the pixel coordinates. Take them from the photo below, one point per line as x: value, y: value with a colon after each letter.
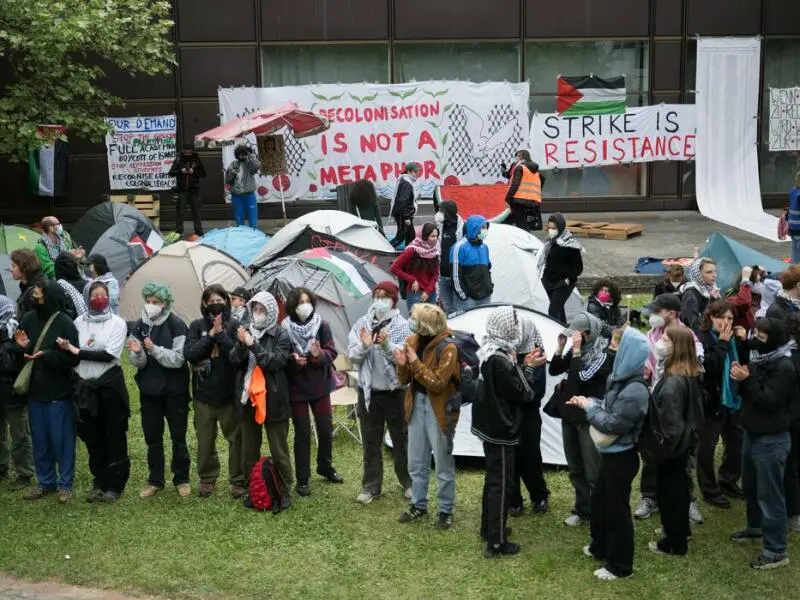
x: 14, y: 237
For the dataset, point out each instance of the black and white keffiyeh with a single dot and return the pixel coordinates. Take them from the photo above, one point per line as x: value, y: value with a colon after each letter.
x: 502, y: 335
x: 269, y: 303
x: 303, y: 334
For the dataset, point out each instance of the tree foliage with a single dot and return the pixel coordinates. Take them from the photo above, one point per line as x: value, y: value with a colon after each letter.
x: 54, y: 49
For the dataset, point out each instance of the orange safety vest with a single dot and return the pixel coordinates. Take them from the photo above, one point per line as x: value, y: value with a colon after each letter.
x: 530, y: 187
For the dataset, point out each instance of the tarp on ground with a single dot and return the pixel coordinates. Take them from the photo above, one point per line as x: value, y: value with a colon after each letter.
x: 242, y: 243
x: 647, y: 265
x: 16, y: 237
x: 96, y: 221
x: 732, y: 256
x: 127, y: 244
x: 187, y: 267
x: 8, y: 287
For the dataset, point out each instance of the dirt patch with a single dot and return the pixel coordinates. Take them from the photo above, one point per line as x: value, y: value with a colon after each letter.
x: 17, y: 589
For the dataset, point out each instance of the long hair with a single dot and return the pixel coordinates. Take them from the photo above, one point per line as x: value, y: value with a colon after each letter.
x: 683, y: 358
x: 613, y: 289
x: 27, y: 262
x: 363, y: 195
x: 293, y: 300
x: 715, y: 309
x: 431, y: 319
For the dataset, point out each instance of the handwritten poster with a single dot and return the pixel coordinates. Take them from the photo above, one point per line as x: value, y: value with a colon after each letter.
x: 140, y: 153
x: 784, y: 119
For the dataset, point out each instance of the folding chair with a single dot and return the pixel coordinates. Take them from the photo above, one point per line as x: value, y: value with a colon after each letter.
x: 346, y: 396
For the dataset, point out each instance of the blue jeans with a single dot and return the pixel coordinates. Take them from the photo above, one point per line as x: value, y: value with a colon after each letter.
x: 462, y: 305
x: 53, y: 434
x: 412, y: 298
x: 245, y: 204
x: 425, y: 436
x: 447, y: 295
x: 763, y: 464
x: 795, y: 249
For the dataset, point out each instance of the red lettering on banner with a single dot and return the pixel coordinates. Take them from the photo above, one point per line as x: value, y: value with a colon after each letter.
x: 549, y: 153
x: 327, y: 176
x: 425, y: 139
x: 633, y: 145
x: 688, y: 145
x: 429, y: 170
x: 344, y: 174
x: 672, y: 151
x: 647, y: 147
x: 590, y: 149
x: 386, y: 168
x: 340, y: 145
x: 621, y: 150
x: 661, y: 146
x: 569, y: 152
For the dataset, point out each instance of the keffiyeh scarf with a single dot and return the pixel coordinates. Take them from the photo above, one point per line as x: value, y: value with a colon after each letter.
x: 54, y: 248
x: 502, y: 335
x: 268, y: 301
x: 697, y: 282
x: 303, y: 334
x: 8, y: 316
x: 785, y: 350
x: 565, y: 239
x: 424, y: 249
x: 397, y: 332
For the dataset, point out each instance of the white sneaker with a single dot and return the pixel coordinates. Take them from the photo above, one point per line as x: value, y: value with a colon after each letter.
x: 794, y: 523
x: 695, y: 516
x: 646, y: 508
x: 588, y: 552
x: 653, y: 547
x: 605, y: 575
x: 407, y: 493
x: 365, y: 498
x: 574, y: 521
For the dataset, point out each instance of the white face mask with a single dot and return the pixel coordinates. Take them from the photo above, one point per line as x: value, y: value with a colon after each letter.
x: 657, y: 321
x: 304, y: 311
x: 153, y: 310
x: 551, y: 233
x: 439, y: 218
x: 676, y: 283
x: 59, y: 229
x: 259, y: 321
x: 382, y: 305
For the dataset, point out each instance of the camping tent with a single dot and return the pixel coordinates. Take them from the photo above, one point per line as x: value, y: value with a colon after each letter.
x: 342, y: 282
x: 732, y: 256
x: 242, y: 243
x: 187, y: 267
x: 8, y: 287
x: 15, y: 237
x: 127, y: 244
x: 98, y: 219
x: 341, y: 225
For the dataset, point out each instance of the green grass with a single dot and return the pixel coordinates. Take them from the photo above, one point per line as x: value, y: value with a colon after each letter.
x: 328, y: 546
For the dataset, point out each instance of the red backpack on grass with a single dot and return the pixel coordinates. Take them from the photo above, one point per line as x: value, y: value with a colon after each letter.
x: 265, y: 487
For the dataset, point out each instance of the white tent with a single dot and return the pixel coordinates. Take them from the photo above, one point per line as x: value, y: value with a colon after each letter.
x: 344, y: 226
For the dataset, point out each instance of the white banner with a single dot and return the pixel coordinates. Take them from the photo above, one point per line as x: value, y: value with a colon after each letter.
x: 457, y: 131
x: 642, y: 134
x: 784, y: 119
x: 140, y: 152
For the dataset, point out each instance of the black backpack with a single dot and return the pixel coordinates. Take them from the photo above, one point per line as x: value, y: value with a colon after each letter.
x: 467, y: 391
x: 652, y: 443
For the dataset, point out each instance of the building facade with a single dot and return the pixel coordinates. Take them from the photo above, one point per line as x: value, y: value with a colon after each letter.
x: 295, y: 42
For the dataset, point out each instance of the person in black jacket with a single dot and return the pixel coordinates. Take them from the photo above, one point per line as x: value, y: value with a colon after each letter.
x: 364, y: 202
x: 404, y: 207
x: 208, y: 348
x: 698, y: 291
x: 451, y: 230
x: 603, y: 303
x: 239, y: 299
x: 264, y: 346
x: 674, y: 279
x: 496, y: 419
x: 768, y: 386
x: 560, y: 264
x: 50, y: 408
x: 525, y: 204
x: 26, y: 268
x: 187, y: 170
x: 787, y: 300
x: 155, y: 345
x: 791, y: 480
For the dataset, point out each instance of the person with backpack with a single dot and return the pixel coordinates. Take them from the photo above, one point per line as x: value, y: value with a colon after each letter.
x: 155, y: 349
x: 451, y: 228
x: 496, y: 419
x: 698, y: 291
x: 261, y: 352
x: 429, y: 365
x: 418, y: 266
x: 678, y: 400
x: 616, y: 421
x: 560, y: 264
x: 768, y: 387
x: 371, y: 345
x: 472, y: 266
x: 787, y: 300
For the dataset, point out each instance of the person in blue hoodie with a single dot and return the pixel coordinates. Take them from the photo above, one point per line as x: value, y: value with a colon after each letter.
x: 472, y: 268
x: 616, y: 423
x: 794, y: 218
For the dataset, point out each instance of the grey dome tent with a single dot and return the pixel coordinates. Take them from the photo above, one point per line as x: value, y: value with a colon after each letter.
x: 96, y: 221
x: 128, y: 243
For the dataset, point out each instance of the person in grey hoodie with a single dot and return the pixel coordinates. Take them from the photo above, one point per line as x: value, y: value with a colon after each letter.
x: 241, y: 177
x: 371, y: 345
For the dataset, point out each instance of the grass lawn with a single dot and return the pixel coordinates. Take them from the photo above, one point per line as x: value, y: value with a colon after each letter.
x: 328, y: 546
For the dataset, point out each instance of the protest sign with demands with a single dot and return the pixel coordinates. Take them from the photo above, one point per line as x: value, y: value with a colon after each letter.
x: 642, y: 134
x: 140, y: 153
x: 457, y: 131
x: 784, y: 119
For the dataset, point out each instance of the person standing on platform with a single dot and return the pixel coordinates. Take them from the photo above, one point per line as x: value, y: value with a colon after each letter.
x: 524, y: 196
x: 404, y: 206
x: 241, y: 176
x: 187, y: 171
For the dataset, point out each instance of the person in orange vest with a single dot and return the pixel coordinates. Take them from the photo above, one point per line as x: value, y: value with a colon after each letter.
x: 524, y: 196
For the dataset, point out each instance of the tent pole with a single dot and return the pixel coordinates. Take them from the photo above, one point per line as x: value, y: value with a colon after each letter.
x: 283, y: 201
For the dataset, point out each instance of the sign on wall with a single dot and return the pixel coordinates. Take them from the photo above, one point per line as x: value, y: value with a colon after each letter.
x: 272, y: 154
x: 141, y: 151
x: 784, y: 119
x: 457, y: 131
x: 642, y: 134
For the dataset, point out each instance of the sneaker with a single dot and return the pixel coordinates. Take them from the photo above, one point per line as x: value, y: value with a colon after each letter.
x: 541, y: 507
x: 184, y: 490
x: 412, y: 513
x: 575, y: 521
x: 505, y: 549
x: 746, y: 535
x: 149, y: 491
x: 109, y: 497
x: 516, y: 511
x: 303, y: 490
x: 286, y: 501
x: 365, y: 498
x: 332, y: 477
x: 445, y: 521
x: 237, y: 491
x: 206, y: 489
x: 94, y: 495
x: 588, y: 552
x: 733, y: 490
x: 659, y: 531
x: 37, y: 493
x: 794, y: 523
x: 408, y: 493
x: 764, y: 563
x: 646, y: 508
x: 653, y: 547
x: 64, y: 496
x: 720, y: 501
x: 604, y: 574
x: 20, y: 483
x: 507, y: 533
x: 695, y: 516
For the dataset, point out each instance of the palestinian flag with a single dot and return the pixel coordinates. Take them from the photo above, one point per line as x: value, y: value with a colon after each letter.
x: 344, y: 267
x: 47, y: 166
x: 590, y: 95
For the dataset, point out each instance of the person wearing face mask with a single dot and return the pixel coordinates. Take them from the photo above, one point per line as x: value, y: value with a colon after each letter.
x: 787, y: 299
x: 241, y: 177
x: 262, y: 350
x: 560, y: 265
x: 54, y: 241
x: 99, y: 270
x: 240, y: 298
x: 698, y: 291
x: 208, y: 349
x: 451, y: 227
x: 155, y: 349
x: 603, y: 303
x: 310, y: 373
x: 418, y: 267
x: 101, y: 395
x: 472, y: 266
x: 370, y: 347
x: 403, y: 207
x: 768, y: 387
x: 673, y: 281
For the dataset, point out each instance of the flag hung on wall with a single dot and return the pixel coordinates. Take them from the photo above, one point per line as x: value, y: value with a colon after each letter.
x: 590, y: 95
x: 47, y: 166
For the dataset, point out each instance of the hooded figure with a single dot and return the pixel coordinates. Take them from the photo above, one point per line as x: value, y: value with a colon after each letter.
x: 560, y: 264
x: 418, y: 266
x: 451, y: 227
x: 472, y: 267
x: 187, y: 171
x: 241, y: 177
x: 696, y: 293
x: 102, y: 272
x: 69, y: 278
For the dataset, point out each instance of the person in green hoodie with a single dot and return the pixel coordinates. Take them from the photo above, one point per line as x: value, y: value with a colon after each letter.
x: 53, y: 242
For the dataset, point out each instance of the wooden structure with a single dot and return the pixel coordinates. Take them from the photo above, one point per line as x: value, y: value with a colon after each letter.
x: 607, y: 231
x: 147, y: 204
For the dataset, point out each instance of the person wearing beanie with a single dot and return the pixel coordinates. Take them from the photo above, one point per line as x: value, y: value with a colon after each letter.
x: 241, y: 177
x: 370, y: 347
x: 99, y: 270
x: 418, y: 267
x: 187, y: 171
x: 240, y: 298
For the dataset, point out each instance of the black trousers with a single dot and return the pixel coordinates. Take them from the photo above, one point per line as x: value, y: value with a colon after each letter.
x: 611, y: 521
x: 106, y: 437
x: 496, y: 491
x: 323, y: 419
x: 385, y: 410
x: 725, y: 425
x: 558, y: 299
x: 791, y: 476
x: 527, y: 216
x: 175, y: 410
x: 192, y: 198
x: 528, y: 468
x: 648, y: 484
x: 405, y: 231
x: 672, y: 485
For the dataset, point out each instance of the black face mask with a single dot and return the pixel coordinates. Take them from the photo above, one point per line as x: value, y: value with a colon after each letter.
x: 215, y: 309
x: 763, y: 347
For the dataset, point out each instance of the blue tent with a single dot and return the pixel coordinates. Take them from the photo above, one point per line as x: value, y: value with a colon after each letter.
x: 242, y: 243
x: 732, y: 256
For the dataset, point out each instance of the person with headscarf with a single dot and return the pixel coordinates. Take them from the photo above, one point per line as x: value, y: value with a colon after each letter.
x: 587, y: 364
x: 54, y: 241
x: 15, y: 435
x: 239, y: 299
x: 418, y: 266
x: 618, y: 418
x: 768, y: 386
x: 472, y: 266
x: 241, y: 177
x: 700, y: 289
x: 404, y: 205
x: 311, y: 381
x: 261, y: 352
x: 429, y: 365
x: 68, y: 276
x: 560, y: 264
x: 98, y: 270
x: 496, y: 419
x: 528, y: 467
x: 370, y: 348
x: 451, y: 227
x: 155, y: 346
x: 100, y: 394
x: 50, y: 408
x: 208, y: 349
